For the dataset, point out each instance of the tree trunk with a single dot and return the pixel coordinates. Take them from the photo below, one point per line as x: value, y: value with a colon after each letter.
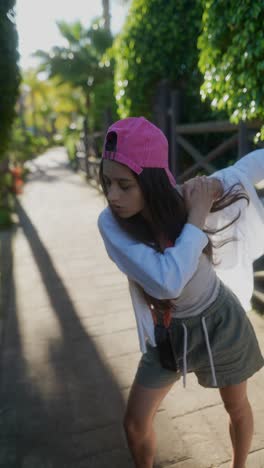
x: 106, y: 14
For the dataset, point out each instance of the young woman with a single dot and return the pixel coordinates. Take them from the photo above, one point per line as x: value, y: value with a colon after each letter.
x: 190, y: 304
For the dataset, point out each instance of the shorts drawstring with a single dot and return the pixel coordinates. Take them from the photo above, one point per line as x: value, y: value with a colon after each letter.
x: 185, y: 354
x: 208, y: 350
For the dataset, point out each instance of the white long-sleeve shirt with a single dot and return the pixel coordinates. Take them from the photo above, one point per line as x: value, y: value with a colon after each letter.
x: 165, y: 275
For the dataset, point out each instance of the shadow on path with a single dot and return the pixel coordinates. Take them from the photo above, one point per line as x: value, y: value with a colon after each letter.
x: 81, y: 415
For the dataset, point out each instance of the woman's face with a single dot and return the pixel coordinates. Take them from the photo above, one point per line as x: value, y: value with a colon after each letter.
x: 122, y: 190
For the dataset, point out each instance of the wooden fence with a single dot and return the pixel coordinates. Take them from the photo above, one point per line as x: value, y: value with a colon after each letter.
x: 167, y: 112
x: 167, y: 115
x: 88, y: 158
x: 241, y: 137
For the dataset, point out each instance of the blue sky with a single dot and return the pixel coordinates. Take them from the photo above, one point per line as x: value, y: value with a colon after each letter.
x: 36, y: 22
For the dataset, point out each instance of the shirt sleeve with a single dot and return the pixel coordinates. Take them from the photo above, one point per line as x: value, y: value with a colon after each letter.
x: 250, y: 165
x: 162, y: 275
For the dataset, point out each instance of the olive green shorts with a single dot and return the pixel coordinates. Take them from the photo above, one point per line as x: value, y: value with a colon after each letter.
x: 233, y: 344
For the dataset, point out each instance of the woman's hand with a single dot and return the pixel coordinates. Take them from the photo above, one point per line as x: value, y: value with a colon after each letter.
x: 213, y: 181
x: 199, y: 195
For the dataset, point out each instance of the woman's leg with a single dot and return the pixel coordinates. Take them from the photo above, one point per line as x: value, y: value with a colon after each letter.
x: 142, y: 405
x: 241, y: 424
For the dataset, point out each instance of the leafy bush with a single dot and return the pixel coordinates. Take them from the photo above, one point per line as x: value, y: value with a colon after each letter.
x: 232, y: 57
x: 9, y: 76
x: 7, y: 205
x: 24, y: 145
x: 102, y: 97
x: 158, y: 41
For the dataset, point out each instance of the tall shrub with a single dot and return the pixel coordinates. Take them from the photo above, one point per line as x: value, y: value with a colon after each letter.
x: 158, y: 41
x: 9, y: 76
x: 232, y: 57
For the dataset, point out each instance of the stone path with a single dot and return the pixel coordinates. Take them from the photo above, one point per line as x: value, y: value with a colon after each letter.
x: 69, y: 347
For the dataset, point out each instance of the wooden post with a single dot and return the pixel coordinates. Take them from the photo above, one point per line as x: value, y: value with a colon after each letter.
x: 174, y: 150
x: 86, y: 145
x: 243, y: 143
x: 108, y: 119
x: 160, y: 107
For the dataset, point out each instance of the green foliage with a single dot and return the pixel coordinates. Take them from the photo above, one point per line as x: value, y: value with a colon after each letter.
x: 103, y: 93
x: 9, y: 76
x: 45, y: 107
x: 6, y: 212
x: 78, y: 62
x: 232, y: 57
x: 70, y: 140
x: 24, y: 145
x: 9, y: 82
x: 7, y: 205
x: 46, y: 113
x: 158, y: 41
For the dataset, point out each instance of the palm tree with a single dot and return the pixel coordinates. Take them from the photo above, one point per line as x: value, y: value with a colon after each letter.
x: 106, y: 14
x: 79, y: 63
x: 45, y: 107
x: 32, y: 92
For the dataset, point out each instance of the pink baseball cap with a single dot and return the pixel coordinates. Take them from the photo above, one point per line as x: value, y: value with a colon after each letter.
x: 137, y: 143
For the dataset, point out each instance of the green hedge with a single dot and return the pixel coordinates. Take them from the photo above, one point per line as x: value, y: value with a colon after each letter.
x: 232, y: 57
x: 9, y: 76
x: 158, y: 41
x: 102, y: 98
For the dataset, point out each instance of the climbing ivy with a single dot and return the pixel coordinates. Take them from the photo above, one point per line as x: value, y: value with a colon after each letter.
x: 158, y: 41
x: 232, y: 57
x: 9, y: 76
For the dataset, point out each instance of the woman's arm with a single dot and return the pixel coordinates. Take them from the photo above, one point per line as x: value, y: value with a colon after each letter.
x: 250, y: 165
x: 161, y: 275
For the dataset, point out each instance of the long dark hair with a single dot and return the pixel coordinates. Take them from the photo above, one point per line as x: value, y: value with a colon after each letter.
x: 168, y: 215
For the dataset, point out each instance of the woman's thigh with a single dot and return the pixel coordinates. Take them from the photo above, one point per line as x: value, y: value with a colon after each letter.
x: 142, y: 405
x: 234, y: 397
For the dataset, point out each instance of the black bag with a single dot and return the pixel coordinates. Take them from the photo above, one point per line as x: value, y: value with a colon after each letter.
x: 165, y: 347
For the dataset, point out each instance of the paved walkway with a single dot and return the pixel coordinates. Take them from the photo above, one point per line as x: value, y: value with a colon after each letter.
x: 70, y: 348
